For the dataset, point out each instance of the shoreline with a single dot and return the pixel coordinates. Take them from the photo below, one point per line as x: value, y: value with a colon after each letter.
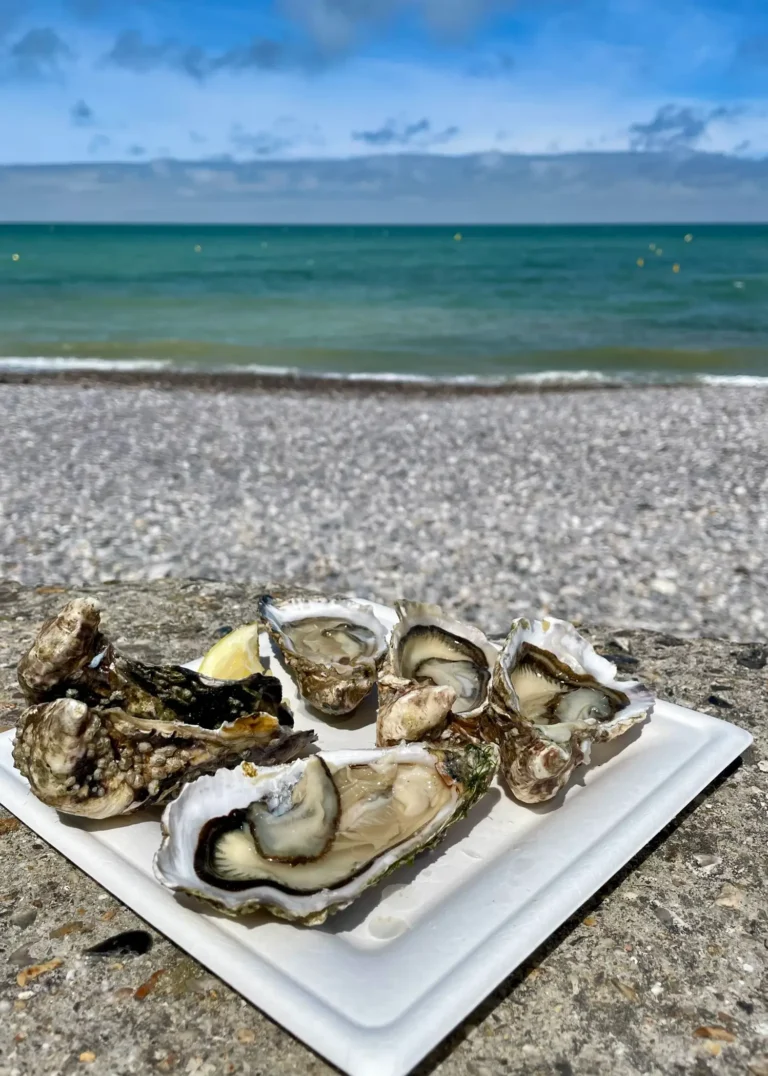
x: 149, y: 374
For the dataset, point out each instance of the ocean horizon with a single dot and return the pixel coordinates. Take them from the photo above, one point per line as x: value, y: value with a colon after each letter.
x: 534, y: 304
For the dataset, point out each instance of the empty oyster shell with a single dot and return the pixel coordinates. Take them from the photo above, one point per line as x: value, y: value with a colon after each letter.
x: 306, y: 839
x: 333, y: 647
x: 552, y: 696
x: 108, y: 734
x: 437, y: 671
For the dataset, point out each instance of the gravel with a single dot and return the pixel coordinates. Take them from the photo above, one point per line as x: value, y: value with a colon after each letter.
x: 630, y: 508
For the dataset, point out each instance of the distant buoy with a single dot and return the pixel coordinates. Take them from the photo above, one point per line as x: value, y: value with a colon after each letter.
x: 198, y: 248
x: 641, y: 262
x: 457, y: 237
x: 15, y: 257
x: 688, y: 238
x: 676, y: 268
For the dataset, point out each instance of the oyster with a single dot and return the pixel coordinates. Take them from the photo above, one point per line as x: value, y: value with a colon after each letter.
x: 552, y: 697
x: 306, y: 839
x: 437, y: 671
x: 333, y: 647
x: 107, y: 734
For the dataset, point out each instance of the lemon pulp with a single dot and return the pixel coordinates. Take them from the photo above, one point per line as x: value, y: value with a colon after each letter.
x: 235, y: 656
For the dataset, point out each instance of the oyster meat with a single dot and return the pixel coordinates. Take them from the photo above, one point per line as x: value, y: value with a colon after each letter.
x: 332, y: 646
x: 437, y: 671
x: 306, y: 839
x: 106, y: 734
x: 552, y: 696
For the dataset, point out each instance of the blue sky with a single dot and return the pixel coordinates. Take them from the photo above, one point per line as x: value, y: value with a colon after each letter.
x: 137, y: 80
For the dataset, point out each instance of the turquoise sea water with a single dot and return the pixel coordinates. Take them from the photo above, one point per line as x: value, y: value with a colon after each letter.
x: 498, y: 302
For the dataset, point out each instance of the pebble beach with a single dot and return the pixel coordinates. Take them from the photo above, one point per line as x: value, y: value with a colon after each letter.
x: 629, y: 508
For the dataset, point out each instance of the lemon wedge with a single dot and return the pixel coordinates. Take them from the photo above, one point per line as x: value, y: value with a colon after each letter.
x: 235, y: 656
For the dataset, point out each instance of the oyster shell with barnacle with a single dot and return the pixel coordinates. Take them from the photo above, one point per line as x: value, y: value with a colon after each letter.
x: 437, y: 673
x: 306, y: 839
x: 552, y: 696
x: 106, y: 734
x: 332, y: 647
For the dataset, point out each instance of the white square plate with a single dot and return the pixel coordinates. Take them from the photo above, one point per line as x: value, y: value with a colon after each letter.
x: 375, y: 988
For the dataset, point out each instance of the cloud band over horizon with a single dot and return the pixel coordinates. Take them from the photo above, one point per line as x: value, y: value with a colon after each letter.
x: 488, y: 188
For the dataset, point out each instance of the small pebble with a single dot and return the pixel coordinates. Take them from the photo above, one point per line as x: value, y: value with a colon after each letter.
x: 66, y: 929
x: 721, y: 1034
x: 148, y: 987
x: 707, y: 862
x: 664, y: 915
x: 36, y: 970
x: 21, y: 957
x: 626, y: 990
x: 121, y: 994
x: 730, y: 896
x: 24, y: 917
x: 664, y: 586
x: 754, y: 657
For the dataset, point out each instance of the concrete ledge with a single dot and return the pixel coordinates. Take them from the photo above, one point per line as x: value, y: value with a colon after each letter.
x: 663, y: 971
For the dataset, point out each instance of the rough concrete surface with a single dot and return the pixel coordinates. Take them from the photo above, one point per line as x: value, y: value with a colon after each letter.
x: 662, y: 972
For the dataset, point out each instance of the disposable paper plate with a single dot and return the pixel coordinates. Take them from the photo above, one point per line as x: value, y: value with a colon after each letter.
x: 380, y: 984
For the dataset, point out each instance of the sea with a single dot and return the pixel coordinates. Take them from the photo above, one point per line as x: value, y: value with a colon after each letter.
x: 538, y: 304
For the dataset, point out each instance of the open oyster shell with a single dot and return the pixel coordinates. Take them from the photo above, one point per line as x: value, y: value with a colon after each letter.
x: 332, y: 646
x: 304, y: 840
x: 107, y: 734
x: 437, y: 673
x: 552, y: 696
